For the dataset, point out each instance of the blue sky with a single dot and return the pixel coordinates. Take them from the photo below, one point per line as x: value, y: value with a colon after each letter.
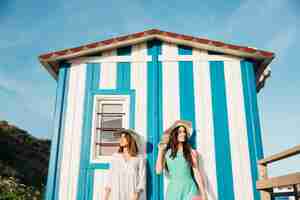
x: 30, y: 28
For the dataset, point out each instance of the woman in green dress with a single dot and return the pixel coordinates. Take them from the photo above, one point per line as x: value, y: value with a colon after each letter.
x: 180, y: 162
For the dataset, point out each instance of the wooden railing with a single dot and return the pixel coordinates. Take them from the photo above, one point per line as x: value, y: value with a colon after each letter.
x: 266, y: 184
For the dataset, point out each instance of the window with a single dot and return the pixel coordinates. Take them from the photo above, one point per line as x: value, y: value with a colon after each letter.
x: 111, y: 113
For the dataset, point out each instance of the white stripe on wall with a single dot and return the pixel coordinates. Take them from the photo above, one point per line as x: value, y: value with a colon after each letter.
x: 108, y: 72
x: 238, y: 132
x: 139, y: 83
x: 69, y: 123
x: 76, y: 139
x: 99, y: 180
x: 204, y: 122
x: 171, y: 102
x: 72, y: 134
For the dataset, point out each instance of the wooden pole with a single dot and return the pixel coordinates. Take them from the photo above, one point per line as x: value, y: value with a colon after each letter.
x: 263, y: 174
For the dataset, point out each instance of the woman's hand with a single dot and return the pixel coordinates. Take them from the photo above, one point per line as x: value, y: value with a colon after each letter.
x: 135, y: 196
x: 166, y: 138
x: 164, y: 142
x: 106, y: 193
x: 204, y: 196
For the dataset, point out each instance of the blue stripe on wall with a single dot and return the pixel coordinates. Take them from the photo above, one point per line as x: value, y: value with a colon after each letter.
x: 154, y: 116
x: 221, y: 131
x: 96, y: 74
x: 91, y: 173
x: 85, y: 138
x: 123, y: 76
x: 124, y: 51
x: 214, y: 53
x: 132, y: 108
x: 252, y: 121
x: 57, y: 139
x: 123, y: 69
x: 185, y: 50
x: 254, y: 108
x: 186, y: 91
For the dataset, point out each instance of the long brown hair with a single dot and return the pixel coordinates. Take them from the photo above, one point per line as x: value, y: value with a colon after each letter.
x: 132, y: 145
x: 173, y: 145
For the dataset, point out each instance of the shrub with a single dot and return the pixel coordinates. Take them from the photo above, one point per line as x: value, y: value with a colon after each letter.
x: 12, y: 189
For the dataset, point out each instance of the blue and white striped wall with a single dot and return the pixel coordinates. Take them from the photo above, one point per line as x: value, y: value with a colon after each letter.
x: 165, y: 82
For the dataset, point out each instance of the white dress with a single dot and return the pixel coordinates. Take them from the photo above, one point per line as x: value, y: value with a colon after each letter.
x: 126, y: 177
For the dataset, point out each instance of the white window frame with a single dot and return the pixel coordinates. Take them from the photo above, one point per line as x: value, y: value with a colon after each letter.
x: 111, y: 99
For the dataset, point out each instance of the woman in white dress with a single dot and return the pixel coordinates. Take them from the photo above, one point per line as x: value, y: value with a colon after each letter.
x: 126, y: 179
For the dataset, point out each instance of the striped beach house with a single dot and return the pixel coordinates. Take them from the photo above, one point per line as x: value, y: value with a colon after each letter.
x: 146, y: 81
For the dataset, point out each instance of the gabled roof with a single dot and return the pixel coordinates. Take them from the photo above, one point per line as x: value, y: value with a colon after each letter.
x: 261, y: 58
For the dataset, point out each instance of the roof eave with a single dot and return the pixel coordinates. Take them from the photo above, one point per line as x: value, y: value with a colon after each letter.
x: 263, y: 74
x: 49, y: 68
x: 262, y: 57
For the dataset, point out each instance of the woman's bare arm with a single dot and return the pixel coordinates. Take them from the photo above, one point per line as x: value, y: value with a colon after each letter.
x: 160, y: 162
x: 200, y: 182
x: 198, y: 175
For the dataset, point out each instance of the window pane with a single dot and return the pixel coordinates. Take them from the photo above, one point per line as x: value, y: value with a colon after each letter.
x: 107, y: 151
x: 112, y: 108
x: 109, y: 137
x: 109, y: 143
x: 111, y: 122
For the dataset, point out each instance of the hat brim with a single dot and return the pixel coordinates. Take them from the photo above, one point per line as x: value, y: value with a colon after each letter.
x: 184, y: 123
x: 133, y: 134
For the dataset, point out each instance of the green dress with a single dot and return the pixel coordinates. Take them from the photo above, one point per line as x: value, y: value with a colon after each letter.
x: 181, y: 185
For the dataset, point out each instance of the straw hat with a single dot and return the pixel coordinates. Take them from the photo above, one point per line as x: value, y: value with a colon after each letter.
x: 184, y: 123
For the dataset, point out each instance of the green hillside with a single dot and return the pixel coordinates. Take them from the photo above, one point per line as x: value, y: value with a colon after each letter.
x: 23, y: 163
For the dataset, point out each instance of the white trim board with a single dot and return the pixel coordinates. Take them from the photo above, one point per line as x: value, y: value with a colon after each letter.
x: 110, y: 59
x: 199, y: 58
